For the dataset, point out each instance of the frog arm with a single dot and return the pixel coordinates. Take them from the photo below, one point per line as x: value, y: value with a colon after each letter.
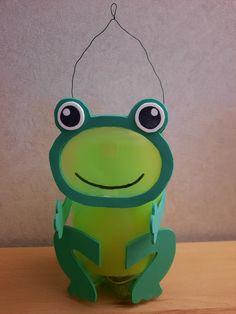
x: 142, y: 246
x: 61, y: 215
x: 157, y: 216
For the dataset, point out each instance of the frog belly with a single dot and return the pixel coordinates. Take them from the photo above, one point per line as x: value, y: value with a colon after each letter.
x: 114, y: 228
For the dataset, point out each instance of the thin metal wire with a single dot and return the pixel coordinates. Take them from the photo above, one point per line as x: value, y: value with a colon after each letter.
x: 78, y: 60
x: 113, y: 9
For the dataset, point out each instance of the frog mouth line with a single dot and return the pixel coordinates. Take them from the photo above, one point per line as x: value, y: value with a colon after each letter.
x: 110, y: 187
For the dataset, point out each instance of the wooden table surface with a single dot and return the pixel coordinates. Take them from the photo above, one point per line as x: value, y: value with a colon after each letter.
x: 201, y: 280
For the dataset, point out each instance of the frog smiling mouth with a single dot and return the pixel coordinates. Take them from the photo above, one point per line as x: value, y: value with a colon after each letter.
x: 108, y: 187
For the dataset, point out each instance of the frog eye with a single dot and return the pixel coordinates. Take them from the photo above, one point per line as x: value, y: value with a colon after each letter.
x: 70, y: 116
x: 150, y: 117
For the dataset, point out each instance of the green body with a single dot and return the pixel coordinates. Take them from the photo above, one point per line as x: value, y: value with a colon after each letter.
x: 113, y: 228
x: 113, y: 175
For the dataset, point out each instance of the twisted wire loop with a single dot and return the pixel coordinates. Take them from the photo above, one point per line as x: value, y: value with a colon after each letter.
x: 113, y: 9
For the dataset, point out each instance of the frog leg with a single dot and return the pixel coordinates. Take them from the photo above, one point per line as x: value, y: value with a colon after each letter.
x: 81, y: 283
x: 147, y: 285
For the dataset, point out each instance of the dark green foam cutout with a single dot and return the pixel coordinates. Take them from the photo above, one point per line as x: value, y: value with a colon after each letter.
x: 147, y: 285
x: 78, y: 250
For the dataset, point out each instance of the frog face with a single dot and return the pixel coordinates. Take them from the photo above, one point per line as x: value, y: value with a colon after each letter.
x: 111, y: 161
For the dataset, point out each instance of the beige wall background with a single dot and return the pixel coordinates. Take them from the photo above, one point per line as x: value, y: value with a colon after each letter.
x: 193, y: 45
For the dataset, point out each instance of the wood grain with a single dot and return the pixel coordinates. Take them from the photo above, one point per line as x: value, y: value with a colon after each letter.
x: 202, y: 280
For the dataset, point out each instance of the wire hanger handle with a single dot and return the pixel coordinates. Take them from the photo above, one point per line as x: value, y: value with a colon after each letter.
x: 113, y: 9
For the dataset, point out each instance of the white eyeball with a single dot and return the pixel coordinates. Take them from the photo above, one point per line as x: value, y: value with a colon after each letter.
x: 150, y: 117
x: 70, y: 116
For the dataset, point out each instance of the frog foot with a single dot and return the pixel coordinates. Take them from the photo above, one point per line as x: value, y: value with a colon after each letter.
x: 147, y: 285
x: 138, y: 294
x: 82, y: 292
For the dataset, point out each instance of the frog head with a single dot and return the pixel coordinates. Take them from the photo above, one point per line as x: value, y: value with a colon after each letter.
x: 111, y: 161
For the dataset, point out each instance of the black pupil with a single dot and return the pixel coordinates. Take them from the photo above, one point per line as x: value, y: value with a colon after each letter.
x: 70, y: 116
x: 150, y: 117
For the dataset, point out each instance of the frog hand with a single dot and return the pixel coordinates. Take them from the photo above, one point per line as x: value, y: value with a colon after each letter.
x: 156, y: 217
x: 58, y: 219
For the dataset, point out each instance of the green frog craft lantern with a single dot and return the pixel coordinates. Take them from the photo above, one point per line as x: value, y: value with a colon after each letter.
x: 113, y: 171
